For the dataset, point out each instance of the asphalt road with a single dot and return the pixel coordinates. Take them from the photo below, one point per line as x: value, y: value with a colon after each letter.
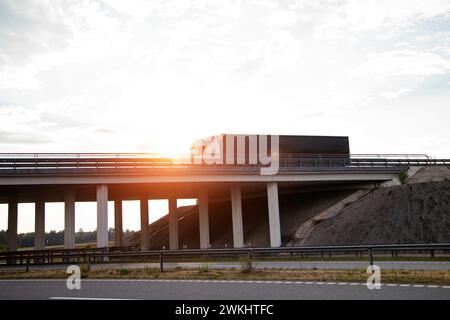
x: 214, y: 289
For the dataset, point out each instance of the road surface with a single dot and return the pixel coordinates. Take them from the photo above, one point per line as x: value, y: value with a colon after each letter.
x: 214, y: 289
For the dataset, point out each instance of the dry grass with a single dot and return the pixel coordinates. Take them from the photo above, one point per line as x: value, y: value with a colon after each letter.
x: 387, y: 276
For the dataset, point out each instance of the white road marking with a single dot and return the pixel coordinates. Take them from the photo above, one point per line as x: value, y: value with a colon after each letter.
x: 228, y: 281
x: 85, y: 298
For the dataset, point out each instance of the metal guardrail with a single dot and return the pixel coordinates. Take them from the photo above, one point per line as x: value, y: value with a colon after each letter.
x: 102, y: 255
x: 189, y: 155
x: 123, y: 163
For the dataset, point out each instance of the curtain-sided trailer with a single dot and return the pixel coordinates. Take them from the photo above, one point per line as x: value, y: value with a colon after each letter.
x: 252, y: 149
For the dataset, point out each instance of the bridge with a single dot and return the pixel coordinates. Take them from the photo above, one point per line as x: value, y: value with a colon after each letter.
x: 71, y: 177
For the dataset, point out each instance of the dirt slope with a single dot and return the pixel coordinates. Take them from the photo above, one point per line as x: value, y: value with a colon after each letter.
x: 412, y: 213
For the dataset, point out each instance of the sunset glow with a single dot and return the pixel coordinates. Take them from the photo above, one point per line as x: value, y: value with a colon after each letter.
x: 154, y: 76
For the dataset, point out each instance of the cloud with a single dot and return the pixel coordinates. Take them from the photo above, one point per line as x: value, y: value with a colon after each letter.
x: 403, y: 63
x: 149, y: 76
x: 109, y: 76
x: 31, y: 138
x: 282, y: 18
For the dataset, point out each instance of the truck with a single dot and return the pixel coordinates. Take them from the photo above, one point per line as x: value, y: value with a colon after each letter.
x: 242, y: 146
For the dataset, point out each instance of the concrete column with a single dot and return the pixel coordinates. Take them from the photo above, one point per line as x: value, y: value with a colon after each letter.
x: 12, y: 224
x: 144, y: 225
x: 118, y: 226
x: 39, y: 223
x: 69, y: 219
x: 102, y: 216
x: 236, y: 214
x: 173, y: 224
x: 274, y: 214
x: 203, y: 221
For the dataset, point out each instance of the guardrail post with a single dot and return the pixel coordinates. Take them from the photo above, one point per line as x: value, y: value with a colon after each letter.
x: 250, y: 260
x: 370, y: 257
x: 9, y: 260
x: 27, y: 267
x: 432, y: 253
x: 161, y: 262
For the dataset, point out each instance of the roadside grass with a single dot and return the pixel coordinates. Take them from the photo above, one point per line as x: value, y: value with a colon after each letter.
x: 441, y: 277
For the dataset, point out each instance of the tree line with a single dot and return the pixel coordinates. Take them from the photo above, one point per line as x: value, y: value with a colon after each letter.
x: 55, y: 238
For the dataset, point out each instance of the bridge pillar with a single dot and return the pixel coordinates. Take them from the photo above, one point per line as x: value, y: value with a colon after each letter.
x: 12, y: 224
x: 144, y: 225
x: 274, y: 214
x: 236, y: 214
x: 69, y: 219
x: 39, y: 223
x: 173, y: 224
x: 203, y: 221
x: 102, y: 216
x: 118, y: 225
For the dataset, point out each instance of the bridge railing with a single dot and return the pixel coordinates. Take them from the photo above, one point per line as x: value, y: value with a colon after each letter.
x: 91, y: 162
x: 188, y: 157
x: 115, y: 254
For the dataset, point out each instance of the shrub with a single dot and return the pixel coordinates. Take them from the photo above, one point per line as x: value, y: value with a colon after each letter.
x: 203, y: 269
x: 403, y: 176
x: 84, y: 268
x: 246, y: 264
x: 123, y: 272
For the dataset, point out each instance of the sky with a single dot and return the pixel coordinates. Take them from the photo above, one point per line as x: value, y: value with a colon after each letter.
x: 153, y: 76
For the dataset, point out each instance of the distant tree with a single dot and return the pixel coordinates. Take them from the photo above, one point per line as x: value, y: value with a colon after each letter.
x: 3, y: 237
x: 56, y: 238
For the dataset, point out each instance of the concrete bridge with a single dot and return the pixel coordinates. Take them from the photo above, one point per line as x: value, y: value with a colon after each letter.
x: 68, y: 178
